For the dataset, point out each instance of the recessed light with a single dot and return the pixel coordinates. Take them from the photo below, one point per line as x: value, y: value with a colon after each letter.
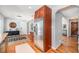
x: 30, y: 7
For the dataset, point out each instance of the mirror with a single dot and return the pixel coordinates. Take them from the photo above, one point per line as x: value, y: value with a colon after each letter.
x: 12, y: 25
x: 38, y: 33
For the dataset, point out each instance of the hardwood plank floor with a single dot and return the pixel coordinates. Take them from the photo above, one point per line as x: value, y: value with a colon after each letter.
x: 70, y: 45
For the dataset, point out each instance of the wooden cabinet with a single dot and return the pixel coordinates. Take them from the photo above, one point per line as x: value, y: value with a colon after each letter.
x: 46, y: 14
x: 39, y: 13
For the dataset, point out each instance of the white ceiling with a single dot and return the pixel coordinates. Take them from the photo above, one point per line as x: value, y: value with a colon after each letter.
x: 25, y: 11
x: 13, y: 11
x: 70, y: 11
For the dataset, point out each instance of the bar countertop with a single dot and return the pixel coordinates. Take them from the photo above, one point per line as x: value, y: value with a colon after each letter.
x: 3, y: 36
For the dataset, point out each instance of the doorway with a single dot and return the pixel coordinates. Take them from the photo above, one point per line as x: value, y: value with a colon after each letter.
x: 74, y: 28
x: 73, y: 40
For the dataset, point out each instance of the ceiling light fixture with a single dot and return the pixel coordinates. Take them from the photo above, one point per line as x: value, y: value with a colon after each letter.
x: 30, y: 7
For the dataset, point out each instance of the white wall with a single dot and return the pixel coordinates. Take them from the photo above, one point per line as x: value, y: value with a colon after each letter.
x: 8, y: 21
x: 58, y: 22
x: 55, y: 41
x: 57, y: 30
x: 1, y: 24
x: 66, y: 21
x: 21, y: 25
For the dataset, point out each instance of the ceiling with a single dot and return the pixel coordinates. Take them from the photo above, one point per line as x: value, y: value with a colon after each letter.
x: 70, y: 11
x: 17, y: 11
x: 25, y: 11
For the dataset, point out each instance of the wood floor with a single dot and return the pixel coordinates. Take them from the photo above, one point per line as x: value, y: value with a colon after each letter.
x: 69, y: 45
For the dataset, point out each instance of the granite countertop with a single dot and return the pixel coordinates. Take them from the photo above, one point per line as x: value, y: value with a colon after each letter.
x: 3, y: 36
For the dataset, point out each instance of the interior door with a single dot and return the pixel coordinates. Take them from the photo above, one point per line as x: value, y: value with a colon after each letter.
x: 74, y: 28
x: 73, y: 41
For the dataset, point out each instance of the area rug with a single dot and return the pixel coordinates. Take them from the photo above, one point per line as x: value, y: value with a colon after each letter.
x: 24, y: 48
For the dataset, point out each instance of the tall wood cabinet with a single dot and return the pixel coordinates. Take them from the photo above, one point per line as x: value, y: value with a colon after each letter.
x: 42, y: 32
